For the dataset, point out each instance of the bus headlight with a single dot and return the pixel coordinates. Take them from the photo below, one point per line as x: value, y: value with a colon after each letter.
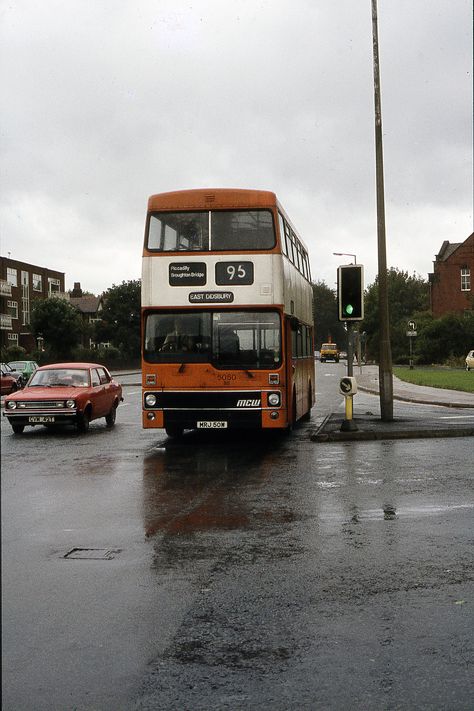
x: 274, y: 399
x: 150, y: 400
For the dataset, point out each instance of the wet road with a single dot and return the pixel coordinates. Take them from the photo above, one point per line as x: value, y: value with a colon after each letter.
x: 269, y: 573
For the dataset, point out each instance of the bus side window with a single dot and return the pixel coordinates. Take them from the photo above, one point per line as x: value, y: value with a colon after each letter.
x: 281, y: 223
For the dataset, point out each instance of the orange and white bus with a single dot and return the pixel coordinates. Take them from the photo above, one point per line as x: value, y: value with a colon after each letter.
x: 227, y: 316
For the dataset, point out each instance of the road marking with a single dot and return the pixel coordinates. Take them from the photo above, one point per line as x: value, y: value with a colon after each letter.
x: 456, y: 417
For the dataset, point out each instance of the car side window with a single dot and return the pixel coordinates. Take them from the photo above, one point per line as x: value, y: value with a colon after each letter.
x: 104, y: 379
x: 95, y: 378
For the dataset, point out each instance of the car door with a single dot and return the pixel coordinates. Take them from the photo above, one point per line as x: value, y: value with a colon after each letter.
x: 98, y: 395
x: 109, y: 389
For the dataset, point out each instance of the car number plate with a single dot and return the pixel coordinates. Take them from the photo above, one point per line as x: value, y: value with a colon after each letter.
x: 40, y: 419
x: 211, y: 425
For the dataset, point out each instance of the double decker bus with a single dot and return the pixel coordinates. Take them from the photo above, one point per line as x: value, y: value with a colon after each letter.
x: 227, y: 317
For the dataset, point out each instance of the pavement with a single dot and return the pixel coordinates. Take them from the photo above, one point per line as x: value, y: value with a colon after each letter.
x: 413, y: 423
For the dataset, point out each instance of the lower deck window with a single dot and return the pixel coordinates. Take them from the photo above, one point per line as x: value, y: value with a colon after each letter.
x: 227, y: 339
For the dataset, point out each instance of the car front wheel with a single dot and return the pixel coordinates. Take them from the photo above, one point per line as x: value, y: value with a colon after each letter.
x: 111, y: 417
x: 18, y: 429
x: 83, y: 422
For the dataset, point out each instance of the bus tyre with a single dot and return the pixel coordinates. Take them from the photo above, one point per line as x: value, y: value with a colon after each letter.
x: 307, y: 414
x: 18, y: 429
x: 110, y: 418
x: 174, y: 431
x: 292, y: 423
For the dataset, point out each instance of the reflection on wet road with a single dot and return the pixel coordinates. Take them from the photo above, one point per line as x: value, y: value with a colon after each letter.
x: 306, y: 556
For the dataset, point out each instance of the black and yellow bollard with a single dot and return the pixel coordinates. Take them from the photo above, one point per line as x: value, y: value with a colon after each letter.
x: 348, y: 387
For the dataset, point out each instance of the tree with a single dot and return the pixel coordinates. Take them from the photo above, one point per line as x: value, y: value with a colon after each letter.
x: 58, y: 323
x: 450, y: 336
x: 120, y: 318
x: 408, y: 298
x: 326, y: 324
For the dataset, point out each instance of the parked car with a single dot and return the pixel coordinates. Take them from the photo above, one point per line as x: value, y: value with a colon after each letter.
x: 25, y: 367
x: 470, y: 360
x: 65, y: 394
x: 8, y: 383
x: 20, y: 381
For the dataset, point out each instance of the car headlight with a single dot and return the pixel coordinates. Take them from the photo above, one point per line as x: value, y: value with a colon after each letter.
x: 70, y: 403
x: 11, y: 405
x: 274, y: 399
x: 150, y: 400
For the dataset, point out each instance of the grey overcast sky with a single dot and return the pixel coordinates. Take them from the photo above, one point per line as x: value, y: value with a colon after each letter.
x: 105, y: 102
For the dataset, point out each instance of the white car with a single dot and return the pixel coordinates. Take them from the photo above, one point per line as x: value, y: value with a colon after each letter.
x: 470, y: 360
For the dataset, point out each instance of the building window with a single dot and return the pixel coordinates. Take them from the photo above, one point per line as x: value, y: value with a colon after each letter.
x: 37, y: 282
x: 25, y: 298
x: 12, y: 307
x: 54, y: 286
x: 12, y: 276
x: 465, y: 279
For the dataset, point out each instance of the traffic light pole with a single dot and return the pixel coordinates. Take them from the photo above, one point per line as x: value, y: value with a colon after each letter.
x: 348, y: 424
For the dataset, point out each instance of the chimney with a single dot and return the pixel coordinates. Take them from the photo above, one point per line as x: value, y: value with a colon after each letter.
x: 77, y: 291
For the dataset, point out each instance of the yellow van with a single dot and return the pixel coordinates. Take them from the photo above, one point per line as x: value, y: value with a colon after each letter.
x: 329, y: 351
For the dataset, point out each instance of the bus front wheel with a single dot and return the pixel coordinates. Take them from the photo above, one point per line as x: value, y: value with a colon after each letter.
x: 174, y: 431
x: 307, y: 414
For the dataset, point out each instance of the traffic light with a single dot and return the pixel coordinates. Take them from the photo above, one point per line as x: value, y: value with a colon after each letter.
x: 350, y: 292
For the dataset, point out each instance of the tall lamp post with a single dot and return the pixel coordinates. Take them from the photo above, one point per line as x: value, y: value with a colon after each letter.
x: 385, y: 355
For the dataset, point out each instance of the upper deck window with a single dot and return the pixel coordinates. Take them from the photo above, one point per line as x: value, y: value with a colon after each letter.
x: 220, y: 230
x: 179, y: 232
x: 242, y: 229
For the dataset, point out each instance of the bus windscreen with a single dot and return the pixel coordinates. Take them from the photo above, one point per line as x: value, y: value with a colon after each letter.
x: 239, y: 339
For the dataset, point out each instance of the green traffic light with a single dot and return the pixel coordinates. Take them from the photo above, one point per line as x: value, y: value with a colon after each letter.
x: 349, y: 309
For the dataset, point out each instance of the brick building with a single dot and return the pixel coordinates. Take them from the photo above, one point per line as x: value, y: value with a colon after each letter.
x: 452, y: 279
x: 20, y: 285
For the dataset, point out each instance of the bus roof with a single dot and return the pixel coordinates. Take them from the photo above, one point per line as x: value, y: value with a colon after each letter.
x: 208, y: 198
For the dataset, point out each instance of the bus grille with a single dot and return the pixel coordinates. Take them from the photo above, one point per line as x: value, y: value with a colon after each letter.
x: 229, y: 400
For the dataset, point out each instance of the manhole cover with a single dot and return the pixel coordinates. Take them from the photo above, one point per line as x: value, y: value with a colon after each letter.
x: 92, y: 553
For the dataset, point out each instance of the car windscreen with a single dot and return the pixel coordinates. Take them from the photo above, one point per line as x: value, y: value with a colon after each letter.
x: 60, y: 377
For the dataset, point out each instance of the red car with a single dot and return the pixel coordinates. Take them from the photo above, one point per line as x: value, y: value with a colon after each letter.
x: 65, y: 394
x: 8, y: 382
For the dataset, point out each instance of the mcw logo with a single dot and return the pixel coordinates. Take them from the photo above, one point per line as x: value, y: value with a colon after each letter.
x: 248, y: 403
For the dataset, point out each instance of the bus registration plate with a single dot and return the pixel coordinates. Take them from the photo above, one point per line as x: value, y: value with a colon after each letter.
x: 211, y: 425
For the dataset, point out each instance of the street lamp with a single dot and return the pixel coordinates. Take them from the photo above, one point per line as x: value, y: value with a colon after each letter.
x: 345, y: 254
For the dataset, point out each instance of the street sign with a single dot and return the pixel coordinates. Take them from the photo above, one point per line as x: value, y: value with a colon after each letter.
x: 348, y: 386
x: 411, y: 325
x: 410, y: 334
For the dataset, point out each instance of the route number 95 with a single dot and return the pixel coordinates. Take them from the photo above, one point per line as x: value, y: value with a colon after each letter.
x: 234, y: 273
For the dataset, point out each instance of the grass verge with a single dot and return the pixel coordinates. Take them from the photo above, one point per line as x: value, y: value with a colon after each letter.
x: 438, y: 378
